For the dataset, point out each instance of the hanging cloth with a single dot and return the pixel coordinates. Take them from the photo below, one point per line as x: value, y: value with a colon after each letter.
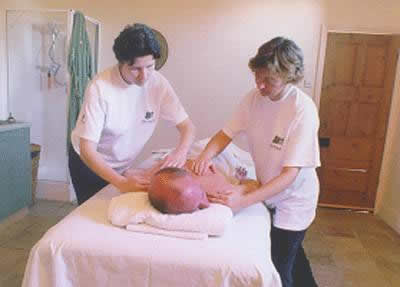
x: 80, y: 69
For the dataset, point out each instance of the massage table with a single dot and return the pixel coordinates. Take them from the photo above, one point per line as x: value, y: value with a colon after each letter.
x: 85, y: 249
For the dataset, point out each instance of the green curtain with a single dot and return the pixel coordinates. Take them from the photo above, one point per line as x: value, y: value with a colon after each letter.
x: 80, y: 69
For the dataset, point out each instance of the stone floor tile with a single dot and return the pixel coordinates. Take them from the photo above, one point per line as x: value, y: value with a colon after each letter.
x: 45, y: 207
x: 10, y: 258
x: 24, y: 241
x: 327, y: 275
x: 10, y: 280
x: 389, y: 269
x: 15, y: 229
x: 364, y: 279
x: 65, y: 210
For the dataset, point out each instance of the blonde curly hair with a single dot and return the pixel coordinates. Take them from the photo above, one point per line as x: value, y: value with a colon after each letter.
x: 282, y: 57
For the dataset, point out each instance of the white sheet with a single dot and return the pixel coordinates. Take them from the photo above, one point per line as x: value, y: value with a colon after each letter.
x: 85, y: 249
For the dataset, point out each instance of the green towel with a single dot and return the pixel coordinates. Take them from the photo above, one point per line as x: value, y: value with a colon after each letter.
x: 80, y: 69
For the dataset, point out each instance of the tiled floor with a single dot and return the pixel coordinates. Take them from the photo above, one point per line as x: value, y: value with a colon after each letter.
x: 345, y: 248
x: 17, y: 239
x: 353, y: 249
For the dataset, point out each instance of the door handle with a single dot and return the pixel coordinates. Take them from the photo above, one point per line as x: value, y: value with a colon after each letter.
x: 324, y: 142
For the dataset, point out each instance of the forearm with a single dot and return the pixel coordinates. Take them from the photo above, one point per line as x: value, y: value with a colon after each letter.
x: 249, y: 185
x: 216, y: 145
x: 272, y: 188
x: 96, y: 163
x: 146, y: 173
x: 187, y: 135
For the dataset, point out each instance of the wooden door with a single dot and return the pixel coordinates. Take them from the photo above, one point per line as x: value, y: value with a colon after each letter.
x: 355, y: 101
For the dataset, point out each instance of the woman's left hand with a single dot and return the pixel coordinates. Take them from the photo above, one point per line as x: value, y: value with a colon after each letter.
x: 176, y: 158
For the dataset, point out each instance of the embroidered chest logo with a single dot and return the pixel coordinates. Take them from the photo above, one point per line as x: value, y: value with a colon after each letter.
x: 149, y: 117
x: 277, y: 142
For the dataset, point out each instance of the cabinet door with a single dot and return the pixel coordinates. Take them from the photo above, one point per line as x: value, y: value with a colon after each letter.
x: 15, y: 171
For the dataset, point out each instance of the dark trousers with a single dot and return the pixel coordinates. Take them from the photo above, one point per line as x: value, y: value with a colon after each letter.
x: 289, y: 258
x: 86, y: 183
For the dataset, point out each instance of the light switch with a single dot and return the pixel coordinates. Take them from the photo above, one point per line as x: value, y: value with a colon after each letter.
x: 307, y: 84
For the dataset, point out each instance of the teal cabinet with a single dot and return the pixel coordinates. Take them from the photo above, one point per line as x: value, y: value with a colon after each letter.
x: 15, y: 168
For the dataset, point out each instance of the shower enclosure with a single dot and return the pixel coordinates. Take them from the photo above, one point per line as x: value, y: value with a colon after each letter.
x: 38, y: 83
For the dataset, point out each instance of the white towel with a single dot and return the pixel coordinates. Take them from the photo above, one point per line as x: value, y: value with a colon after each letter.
x: 135, y: 208
x: 226, y: 162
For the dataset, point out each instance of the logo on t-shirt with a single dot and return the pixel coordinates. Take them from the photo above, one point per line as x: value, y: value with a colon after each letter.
x: 148, y: 117
x: 277, y: 142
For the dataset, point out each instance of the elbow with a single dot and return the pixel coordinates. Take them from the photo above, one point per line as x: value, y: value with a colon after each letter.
x: 192, y: 129
x: 291, y: 174
x: 85, y: 150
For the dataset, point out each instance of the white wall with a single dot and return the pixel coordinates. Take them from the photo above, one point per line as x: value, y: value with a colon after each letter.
x: 388, y: 201
x: 210, y: 44
x: 363, y: 15
x: 3, y: 66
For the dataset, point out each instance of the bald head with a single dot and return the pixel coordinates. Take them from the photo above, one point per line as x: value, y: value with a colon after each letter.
x: 174, y: 191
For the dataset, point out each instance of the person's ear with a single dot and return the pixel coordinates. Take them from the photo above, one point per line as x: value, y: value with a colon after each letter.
x: 204, y: 203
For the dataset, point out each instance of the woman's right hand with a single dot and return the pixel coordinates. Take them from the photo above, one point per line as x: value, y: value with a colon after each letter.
x: 203, y: 162
x: 132, y: 182
x: 201, y: 165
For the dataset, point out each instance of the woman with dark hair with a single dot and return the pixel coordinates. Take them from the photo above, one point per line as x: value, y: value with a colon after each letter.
x: 121, y: 108
x: 281, y: 124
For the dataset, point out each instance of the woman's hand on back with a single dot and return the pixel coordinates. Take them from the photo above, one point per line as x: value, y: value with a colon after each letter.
x: 201, y: 165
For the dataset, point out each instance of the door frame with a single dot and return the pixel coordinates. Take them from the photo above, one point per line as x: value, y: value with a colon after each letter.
x: 319, y: 77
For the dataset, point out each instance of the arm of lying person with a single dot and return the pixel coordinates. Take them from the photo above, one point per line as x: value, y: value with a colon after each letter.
x: 244, y: 195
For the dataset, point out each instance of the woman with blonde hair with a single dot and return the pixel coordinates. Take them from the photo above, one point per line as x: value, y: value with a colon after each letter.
x: 281, y: 124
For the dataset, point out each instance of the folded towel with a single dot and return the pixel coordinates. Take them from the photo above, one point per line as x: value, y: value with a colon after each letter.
x: 135, y: 208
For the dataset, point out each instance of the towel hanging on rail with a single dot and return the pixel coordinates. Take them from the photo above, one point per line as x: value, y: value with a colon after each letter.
x: 80, y: 69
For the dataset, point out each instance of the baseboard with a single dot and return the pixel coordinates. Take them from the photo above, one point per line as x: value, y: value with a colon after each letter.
x: 391, y: 217
x: 53, y: 190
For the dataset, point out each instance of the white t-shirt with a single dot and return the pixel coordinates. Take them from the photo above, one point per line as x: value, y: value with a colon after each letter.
x: 281, y: 134
x: 120, y: 118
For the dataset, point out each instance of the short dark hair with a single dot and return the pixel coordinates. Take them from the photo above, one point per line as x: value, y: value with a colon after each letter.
x: 160, y: 203
x: 281, y: 56
x: 134, y: 41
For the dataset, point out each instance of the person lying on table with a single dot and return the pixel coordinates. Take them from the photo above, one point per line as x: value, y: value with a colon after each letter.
x: 175, y: 190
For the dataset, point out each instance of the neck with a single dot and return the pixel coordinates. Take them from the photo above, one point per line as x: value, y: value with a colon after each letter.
x: 280, y: 94
x: 122, y: 75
